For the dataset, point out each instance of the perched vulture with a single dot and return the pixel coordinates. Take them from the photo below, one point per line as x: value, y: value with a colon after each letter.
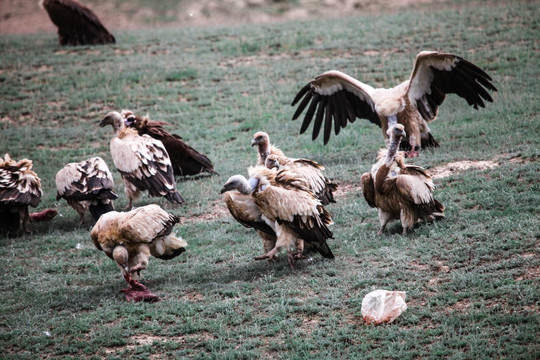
x: 19, y: 188
x: 185, y: 159
x: 413, y: 103
x: 310, y: 171
x: 400, y: 191
x: 77, y: 24
x: 87, y: 185
x: 286, y: 200
x: 129, y: 238
x: 241, y: 206
x: 264, y: 148
x: 142, y: 161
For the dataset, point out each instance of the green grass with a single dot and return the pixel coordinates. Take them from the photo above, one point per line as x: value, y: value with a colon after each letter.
x: 472, y: 280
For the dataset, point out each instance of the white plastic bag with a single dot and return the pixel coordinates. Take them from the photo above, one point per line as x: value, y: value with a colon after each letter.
x: 383, y: 306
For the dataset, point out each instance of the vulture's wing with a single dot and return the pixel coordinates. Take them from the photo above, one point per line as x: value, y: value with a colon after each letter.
x: 154, y: 129
x: 412, y: 190
x: 85, y: 180
x: 338, y: 96
x: 300, y: 211
x: 19, y: 185
x: 436, y: 74
x: 184, y: 159
x: 146, y: 223
x: 312, y: 172
x: 246, y: 212
x: 368, y: 188
x: 144, y: 162
x: 77, y: 24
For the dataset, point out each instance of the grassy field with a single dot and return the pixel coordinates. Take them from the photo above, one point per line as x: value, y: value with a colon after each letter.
x: 472, y: 280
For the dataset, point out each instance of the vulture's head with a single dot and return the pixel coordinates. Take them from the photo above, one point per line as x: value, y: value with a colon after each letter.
x: 236, y: 182
x: 396, y: 132
x: 121, y: 256
x: 260, y: 138
x: 272, y: 161
x: 114, y: 119
x: 129, y: 117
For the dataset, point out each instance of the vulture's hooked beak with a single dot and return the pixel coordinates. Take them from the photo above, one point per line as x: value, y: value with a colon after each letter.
x: 224, y: 188
x: 254, y: 142
x: 107, y: 120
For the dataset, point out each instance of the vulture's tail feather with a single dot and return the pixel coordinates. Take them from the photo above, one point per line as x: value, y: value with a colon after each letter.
x: 324, y: 250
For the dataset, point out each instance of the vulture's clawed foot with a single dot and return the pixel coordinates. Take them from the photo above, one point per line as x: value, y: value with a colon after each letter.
x: 137, y: 269
x: 271, y: 255
x: 411, y: 154
x: 292, y: 256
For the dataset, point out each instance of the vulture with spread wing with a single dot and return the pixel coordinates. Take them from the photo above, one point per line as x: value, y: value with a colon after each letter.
x: 264, y: 148
x: 309, y: 170
x: 413, y: 103
x: 400, y: 191
x: 242, y: 207
x: 77, y: 24
x: 142, y: 161
x: 20, y: 187
x: 298, y: 216
x: 129, y: 238
x: 87, y: 185
x: 184, y: 159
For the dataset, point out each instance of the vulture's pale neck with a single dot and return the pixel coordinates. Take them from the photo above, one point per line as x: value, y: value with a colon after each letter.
x: 392, y: 149
x: 244, y: 187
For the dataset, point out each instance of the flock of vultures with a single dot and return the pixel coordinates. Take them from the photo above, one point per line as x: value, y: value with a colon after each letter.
x: 283, y: 199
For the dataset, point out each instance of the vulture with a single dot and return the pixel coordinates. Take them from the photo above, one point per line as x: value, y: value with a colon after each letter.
x: 87, y: 185
x: 129, y: 238
x: 242, y: 207
x: 298, y: 216
x: 20, y: 187
x: 185, y: 159
x: 310, y: 171
x: 400, y: 191
x: 142, y: 161
x: 264, y: 148
x: 77, y: 24
x: 413, y: 103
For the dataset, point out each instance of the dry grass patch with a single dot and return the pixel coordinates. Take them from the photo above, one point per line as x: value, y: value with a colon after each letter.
x: 345, y: 189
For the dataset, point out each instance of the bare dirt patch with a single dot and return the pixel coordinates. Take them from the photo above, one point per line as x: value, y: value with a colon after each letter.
x: 219, y: 211
x: 345, y: 189
x: 457, y: 167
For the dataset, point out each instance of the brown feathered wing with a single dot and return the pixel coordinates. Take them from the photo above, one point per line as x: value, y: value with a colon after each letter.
x: 77, y: 24
x: 184, y: 159
x: 291, y: 203
x: 87, y: 184
x: 144, y: 162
